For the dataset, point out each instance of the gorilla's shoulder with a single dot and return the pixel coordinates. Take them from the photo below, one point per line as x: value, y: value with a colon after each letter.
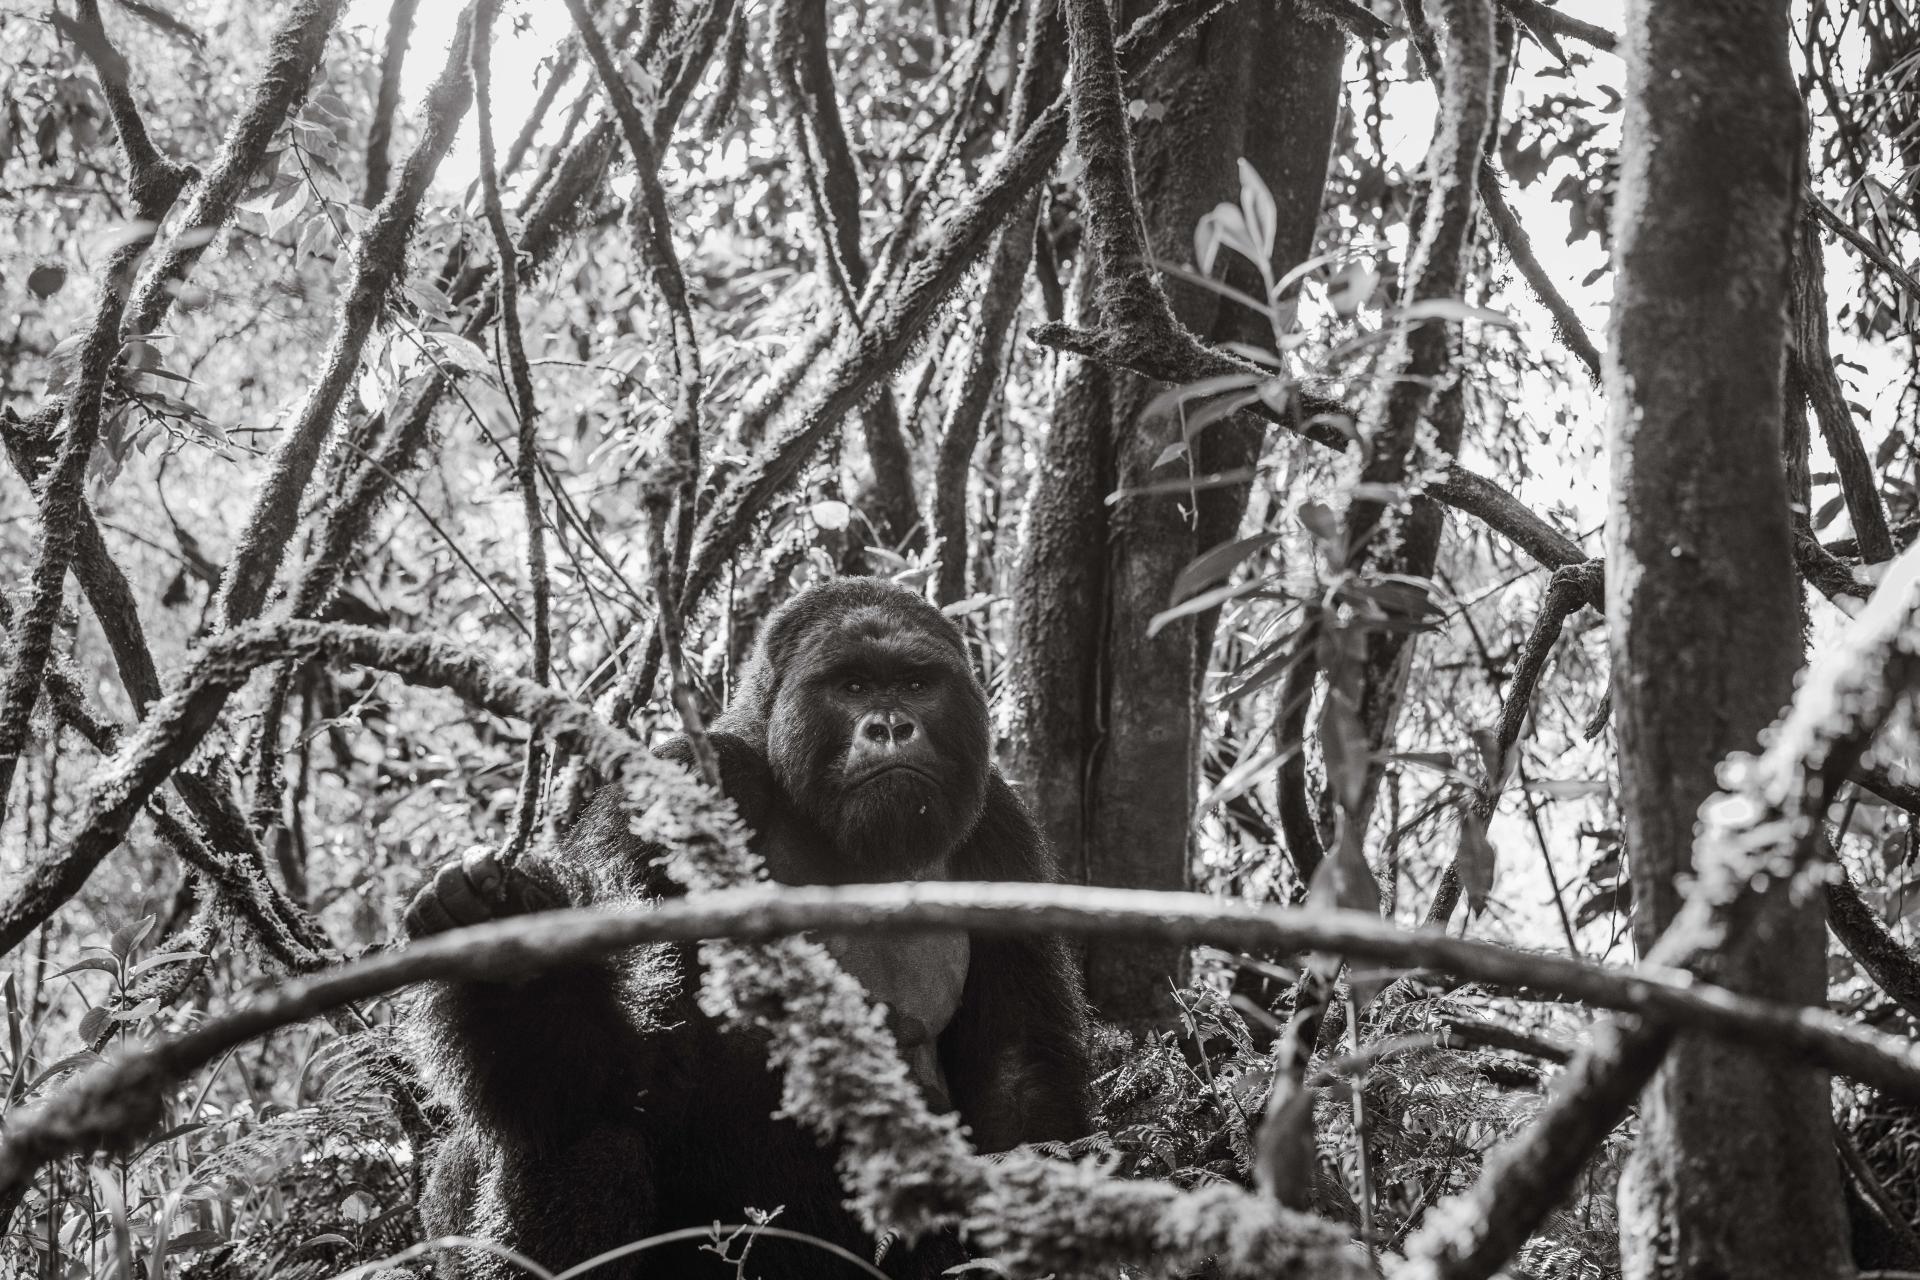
x: 745, y: 777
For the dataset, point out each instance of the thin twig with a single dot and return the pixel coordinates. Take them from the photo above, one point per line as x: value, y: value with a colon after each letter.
x: 526, y: 414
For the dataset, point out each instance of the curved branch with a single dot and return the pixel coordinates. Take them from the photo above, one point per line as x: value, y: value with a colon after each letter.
x: 1760, y: 837
x: 108, y: 1102
x: 1893, y: 967
x: 1513, y: 234
x: 1546, y: 22
x: 999, y: 306
x: 153, y: 179
x: 176, y: 725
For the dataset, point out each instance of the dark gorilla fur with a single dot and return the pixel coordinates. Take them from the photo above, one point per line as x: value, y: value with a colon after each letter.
x: 597, y: 1105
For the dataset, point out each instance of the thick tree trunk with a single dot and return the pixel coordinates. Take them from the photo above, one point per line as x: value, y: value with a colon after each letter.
x: 1734, y: 1173
x: 1107, y: 718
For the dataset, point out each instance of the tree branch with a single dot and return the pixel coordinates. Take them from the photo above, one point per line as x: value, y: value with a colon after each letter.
x: 378, y: 257
x: 1816, y: 384
x: 105, y: 1104
x: 387, y: 98
x: 1865, y: 247
x: 61, y: 503
x: 153, y: 180
x: 896, y: 326
x: 292, y: 55
x: 1546, y: 22
x: 1893, y: 967
x: 1759, y: 836
x: 526, y: 413
x: 999, y: 305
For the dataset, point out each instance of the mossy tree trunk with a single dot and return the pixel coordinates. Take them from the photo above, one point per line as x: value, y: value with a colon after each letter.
x: 1107, y: 733
x: 1734, y: 1173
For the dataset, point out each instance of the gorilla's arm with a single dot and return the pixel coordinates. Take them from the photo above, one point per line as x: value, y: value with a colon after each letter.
x: 1015, y: 1053
x: 543, y: 1059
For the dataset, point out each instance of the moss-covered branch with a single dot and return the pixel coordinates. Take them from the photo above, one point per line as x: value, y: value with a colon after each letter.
x: 378, y: 258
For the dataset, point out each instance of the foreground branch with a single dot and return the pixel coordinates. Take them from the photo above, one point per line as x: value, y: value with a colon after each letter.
x: 114, y: 1102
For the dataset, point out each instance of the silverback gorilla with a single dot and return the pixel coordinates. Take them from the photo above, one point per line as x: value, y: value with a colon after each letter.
x: 597, y: 1105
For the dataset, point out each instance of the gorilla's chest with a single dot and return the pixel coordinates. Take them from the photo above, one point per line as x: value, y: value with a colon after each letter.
x: 918, y: 977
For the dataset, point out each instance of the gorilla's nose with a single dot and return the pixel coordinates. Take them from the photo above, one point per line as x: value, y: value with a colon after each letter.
x: 887, y: 729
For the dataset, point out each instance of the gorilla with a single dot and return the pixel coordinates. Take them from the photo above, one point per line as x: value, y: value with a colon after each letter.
x: 597, y: 1105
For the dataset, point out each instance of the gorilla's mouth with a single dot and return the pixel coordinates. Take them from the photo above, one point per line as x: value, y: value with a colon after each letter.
x: 893, y: 768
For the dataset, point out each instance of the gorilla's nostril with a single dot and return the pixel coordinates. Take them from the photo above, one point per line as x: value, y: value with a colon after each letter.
x: 903, y: 731
x: 877, y: 731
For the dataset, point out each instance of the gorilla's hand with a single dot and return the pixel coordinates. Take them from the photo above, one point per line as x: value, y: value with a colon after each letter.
x: 475, y: 888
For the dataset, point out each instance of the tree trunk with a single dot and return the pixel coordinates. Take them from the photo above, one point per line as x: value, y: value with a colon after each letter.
x: 1734, y: 1173
x: 1107, y: 718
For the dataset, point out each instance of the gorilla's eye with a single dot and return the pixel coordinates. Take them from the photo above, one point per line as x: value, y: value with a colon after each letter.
x: 856, y: 687
x: 916, y: 686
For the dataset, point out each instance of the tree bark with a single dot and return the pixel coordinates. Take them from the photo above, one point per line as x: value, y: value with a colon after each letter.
x: 1701, y: 611
x: 1107, y: 719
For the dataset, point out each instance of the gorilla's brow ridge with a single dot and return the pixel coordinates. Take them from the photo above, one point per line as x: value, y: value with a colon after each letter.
x: 876, y: 639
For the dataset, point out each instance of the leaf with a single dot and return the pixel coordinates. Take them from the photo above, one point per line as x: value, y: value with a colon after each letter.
x: 178, y: 1131
x: 1174, y: 399
x: 831, y: 515
x: 1183, y: 484
x: 94, y: 1023
x: 62, y: 360
x: 1237, y: 781
x: 1476, y: 860
x: 1225, y: 225
x: 1617, y: 900
x: 145, y: 1009
x: 1212, y: 565
x: 46, y: 280
x: 1284, y: 654
x: 166, y: 957
x: 1256, y: 206
x: 189, y: 1241
x: 1198, y: 604
x: 1324, y: 526
x: 1453, y: 309
x: 463, y: 353
x: 98, y: 963
x: 1828, y: 510
x: 1568, y: 788
x: 72, y: 1062
x: 1349, y: 288
x: 125, y: 940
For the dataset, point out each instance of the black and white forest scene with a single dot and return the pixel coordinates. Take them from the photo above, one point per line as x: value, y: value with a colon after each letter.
x: 1098, y: 639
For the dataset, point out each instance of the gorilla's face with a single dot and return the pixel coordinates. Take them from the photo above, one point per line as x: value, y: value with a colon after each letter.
x: 879, y: 735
